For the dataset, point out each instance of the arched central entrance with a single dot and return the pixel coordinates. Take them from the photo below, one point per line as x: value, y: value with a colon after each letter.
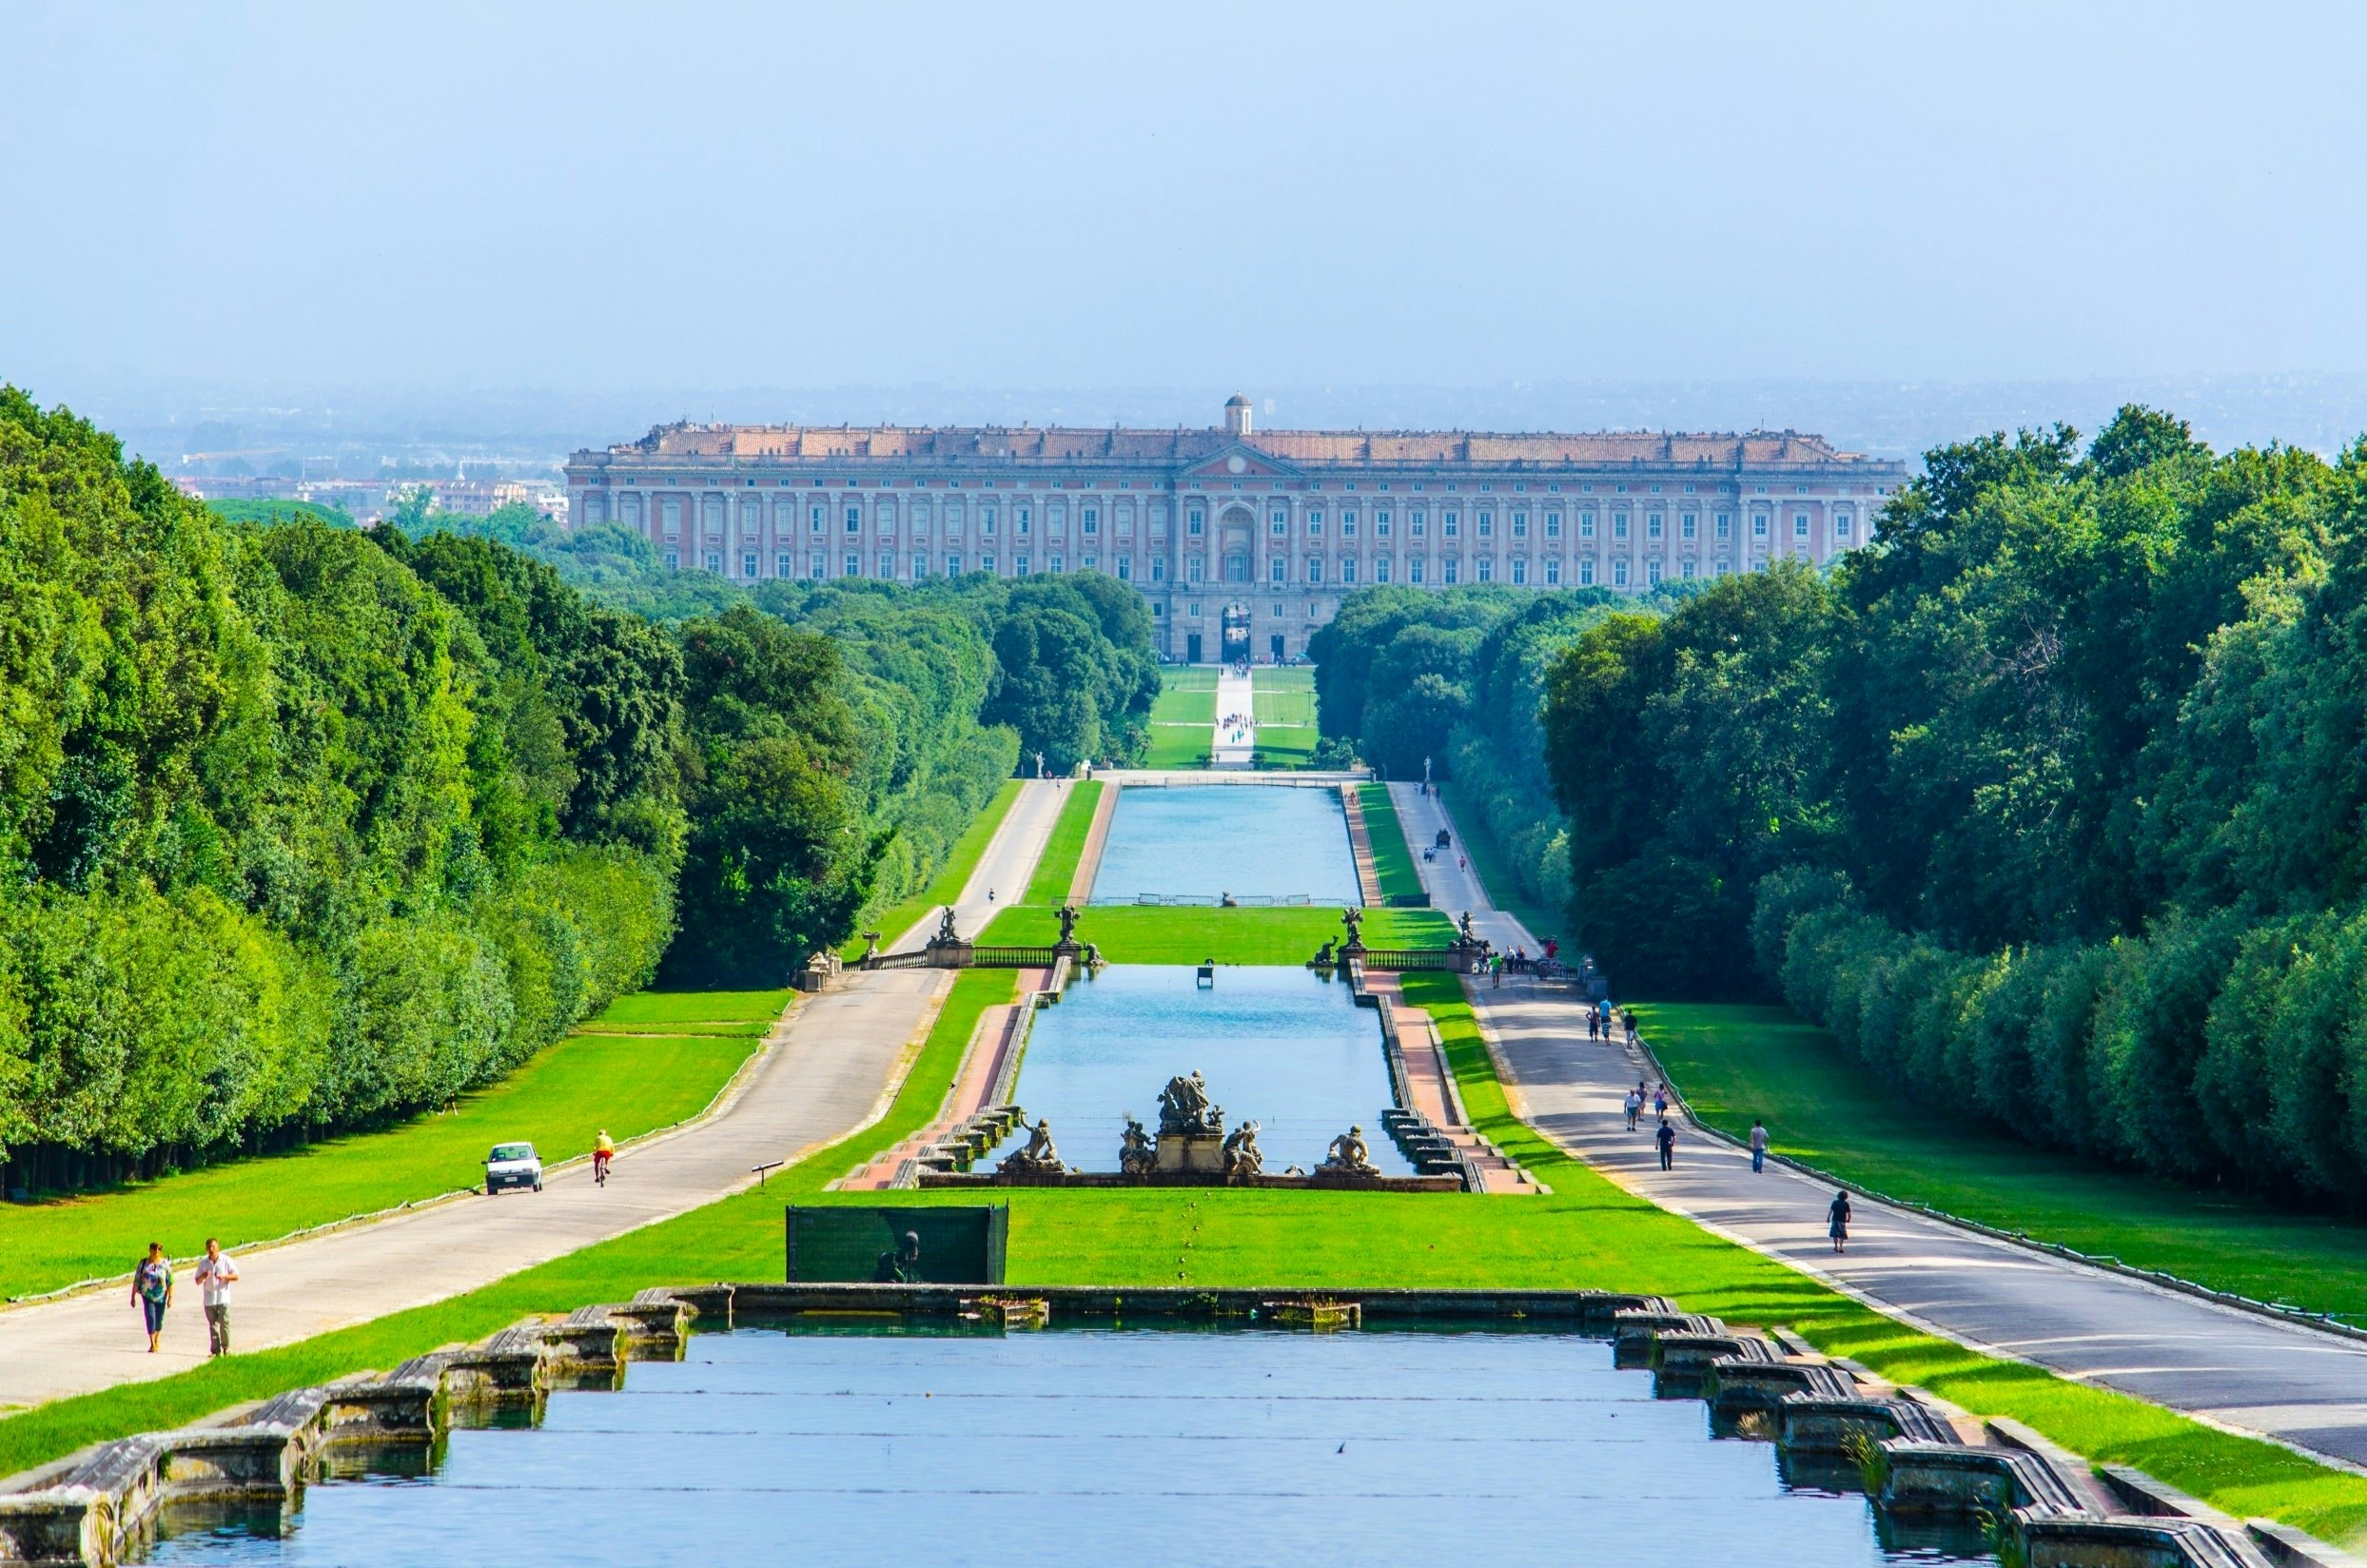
x: 1236, y: 633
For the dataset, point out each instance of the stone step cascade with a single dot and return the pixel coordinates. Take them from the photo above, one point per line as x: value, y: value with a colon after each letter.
x: 1360, y: 848
x: 1915, y: 1455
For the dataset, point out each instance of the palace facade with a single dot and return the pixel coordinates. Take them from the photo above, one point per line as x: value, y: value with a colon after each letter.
x: 1242, y: 541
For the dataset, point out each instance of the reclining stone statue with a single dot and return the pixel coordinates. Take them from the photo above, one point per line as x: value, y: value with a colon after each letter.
x: 1348, y: 1156
x: 1039, y: 1158
x: 1184, y: 1109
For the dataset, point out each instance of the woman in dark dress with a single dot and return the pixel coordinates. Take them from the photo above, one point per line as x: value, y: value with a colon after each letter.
x: 1837, y: 1222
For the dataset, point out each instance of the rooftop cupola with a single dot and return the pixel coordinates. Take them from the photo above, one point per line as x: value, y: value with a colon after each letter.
x: 1237, y: 416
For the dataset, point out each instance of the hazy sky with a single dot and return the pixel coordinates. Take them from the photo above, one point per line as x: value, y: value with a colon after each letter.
x: 600, y: 197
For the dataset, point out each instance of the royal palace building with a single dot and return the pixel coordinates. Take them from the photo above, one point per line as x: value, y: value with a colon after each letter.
x: 1242, y: 540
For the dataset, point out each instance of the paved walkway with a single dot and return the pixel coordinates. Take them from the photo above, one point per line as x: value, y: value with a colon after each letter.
x: 1236, y: 699
x: 830, y: 1067
x: 2235, y: 1368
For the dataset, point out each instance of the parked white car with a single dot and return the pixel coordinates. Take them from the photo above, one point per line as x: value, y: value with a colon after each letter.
x: 513, y: 1164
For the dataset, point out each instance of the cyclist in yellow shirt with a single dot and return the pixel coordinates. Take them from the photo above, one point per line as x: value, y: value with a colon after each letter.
x: 602, y: 1151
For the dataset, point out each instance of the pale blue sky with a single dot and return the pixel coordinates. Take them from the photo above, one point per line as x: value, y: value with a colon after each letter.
x: 423, y: 196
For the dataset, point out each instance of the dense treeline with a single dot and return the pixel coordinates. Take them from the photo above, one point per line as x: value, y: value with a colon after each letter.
x: 2049, y: 805
x: 293, y: 834
x: 307, y: 827
x: 1457, y: 677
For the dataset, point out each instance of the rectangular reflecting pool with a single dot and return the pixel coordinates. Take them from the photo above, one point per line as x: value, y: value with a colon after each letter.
x: 1264, y: 842
x: 1282, y: 1046
x: 1091, y: 1448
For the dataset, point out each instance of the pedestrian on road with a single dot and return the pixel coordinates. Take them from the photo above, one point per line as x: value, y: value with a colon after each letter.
x: 151, y: 1290
x: 1635, y: 1107
x: 1660, y: 1102
x: 603, y: 1150
x: 1667, y: 1139
x: 214, y: 1275
x: 1593, y: 1030
x: 1837, y: 1222
x: 1758, y: 1145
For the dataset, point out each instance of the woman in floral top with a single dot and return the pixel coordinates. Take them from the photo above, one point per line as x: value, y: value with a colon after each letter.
x: 151, y: 1288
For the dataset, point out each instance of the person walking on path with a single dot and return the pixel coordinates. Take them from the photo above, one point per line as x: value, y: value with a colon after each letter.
x: 1758, y: 1145
x: 214, y: 1275
x: 1837, y: 1222
x: 1635, y: 1106
x: 151, y: 1290
x: 1666, y: 1137
x: 1660, y: 1102
x: 603, y: 1150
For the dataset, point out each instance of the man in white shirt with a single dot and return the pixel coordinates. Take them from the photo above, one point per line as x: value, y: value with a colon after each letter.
x: 215, y: 1272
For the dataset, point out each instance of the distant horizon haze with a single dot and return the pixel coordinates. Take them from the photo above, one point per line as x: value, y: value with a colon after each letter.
x: 437, y: 198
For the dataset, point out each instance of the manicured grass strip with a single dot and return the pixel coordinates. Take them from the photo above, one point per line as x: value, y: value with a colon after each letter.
x: 1823, y: 1107
x: 1135, y: 933
x: 560, y: 1101
x: 1285, y: 745
x: 736, y: 1007
x: 1178, y: 746
x: 1486, y: 858
x: 1392, y: 860
x: 946, y: 886
x: 1284, y: 697
x: 738, y: 1238
x: 1186, y: 696
x: 1057, y: 870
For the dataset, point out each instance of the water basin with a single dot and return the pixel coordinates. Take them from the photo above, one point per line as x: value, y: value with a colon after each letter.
x: 1089, y: 1447
x: 1259, y: 842
x: 1283, y: 1046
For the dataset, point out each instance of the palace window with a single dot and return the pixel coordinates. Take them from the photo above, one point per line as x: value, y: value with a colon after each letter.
x: 1520, y: 571
x: 1652, y: 572
x: 1092, y: 516
x: 1347, y: 571
x: 1553, y: 574
x: 1422, y: 523
x: 1413, y: 570
x: 986, y: 562
x: 1586, y: 525
x: 920, y: 567
x: 1721, y: 569
x: 674, y: 560
x: 1552, y: 525
x: 1487, y: 569
x: 1758, y: 525
x: 1453, y: 568
x: 854, y: 566
x: 816, y: 567
x: 1453, y: 522
x: 1380, y: 523
x: 1194, y: 522
x: 887, y: 567
x: 1726, y: 525
x: 1689, y: 525
x: 780, y: 566
x: 1840, y: 525
x: 1618, y: 525
x: 1586, y: 574
x: 1056, y: 563
x: 1381, y: 570
x: 1799, y: 525
x: 952, y: 566
x: 1347, y: 525
x: 855, y: 518
x: 1022, y: 519
x: 1520, y: 525
x: 1619, y: 574
x: 1487, y: 526
x: 748, y: 566
x: 1315, y: 571
x: 1652, y: 525
x: 1191, y: 570
x: 1279, y: 522
x: 1684, y: 569
x: 714, y: 562
x: 1126, y: 568
x: 1019, y: 567
x: 1158, y: 569
x: 1277, y: 570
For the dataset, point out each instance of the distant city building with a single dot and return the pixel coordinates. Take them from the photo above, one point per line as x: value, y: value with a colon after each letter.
x: 364, y: 500
x: 1243, y: 541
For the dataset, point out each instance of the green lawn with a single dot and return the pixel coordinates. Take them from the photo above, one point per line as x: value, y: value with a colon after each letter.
x: 1285, y: 745
x: 946, y: 886
x: 630, y: 1084
x: 1284, y: 696
x: 1822, y: 1106
x: 1186, y: 695
x: 1178, y: 746
x: 1392, y: 860
x: 1136, y: 933
x: 1471, y: 829
x: 1587, y: 1233
x: 1057, y: 870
